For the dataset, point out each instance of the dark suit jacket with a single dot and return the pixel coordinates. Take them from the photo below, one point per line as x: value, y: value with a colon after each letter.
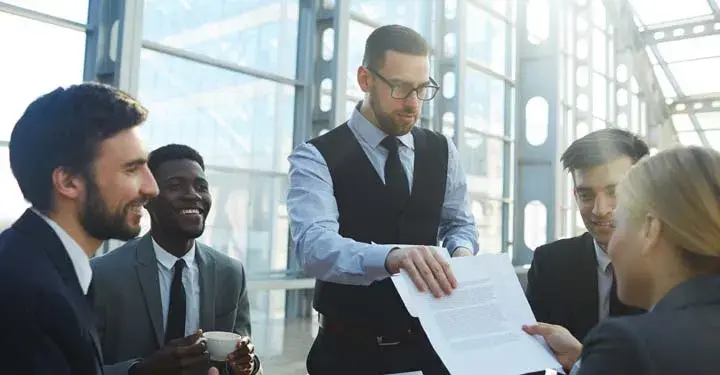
x: 562, y: 285
x: 45, y: 319
x: 680, y: 335
x: 127, y: 302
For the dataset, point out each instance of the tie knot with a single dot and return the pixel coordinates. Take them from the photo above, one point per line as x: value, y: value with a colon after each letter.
x: 179, y: 265
x: 390, y: 143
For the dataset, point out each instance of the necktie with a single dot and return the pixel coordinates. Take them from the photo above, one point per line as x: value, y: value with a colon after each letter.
x: 395, y: 179
x: 175, y: 327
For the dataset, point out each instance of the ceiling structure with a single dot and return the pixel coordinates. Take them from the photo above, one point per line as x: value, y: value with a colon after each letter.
x: 683, y: 42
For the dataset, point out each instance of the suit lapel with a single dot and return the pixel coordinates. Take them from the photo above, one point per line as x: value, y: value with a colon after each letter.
x: 32, y: 224
x: 206, y: 267
x: 586, y: 276
x: 150, y: 284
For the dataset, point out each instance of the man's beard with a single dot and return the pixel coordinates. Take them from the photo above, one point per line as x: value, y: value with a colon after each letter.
x: 99, y: 222
x: 385, y: 121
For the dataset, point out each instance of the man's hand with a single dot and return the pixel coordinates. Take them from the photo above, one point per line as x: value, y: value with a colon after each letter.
x: 242, y: 359
x: 563, y: 344
x: 179, y: 356
x: 426, y: 268
x: 462, y: 252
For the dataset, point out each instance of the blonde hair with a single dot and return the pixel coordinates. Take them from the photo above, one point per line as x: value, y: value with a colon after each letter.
x: 681, y: 188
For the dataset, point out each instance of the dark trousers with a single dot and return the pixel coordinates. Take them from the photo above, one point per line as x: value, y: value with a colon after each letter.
x: 333, y: 354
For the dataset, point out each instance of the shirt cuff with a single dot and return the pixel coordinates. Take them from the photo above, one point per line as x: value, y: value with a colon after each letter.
x: 454, y: 245
x: 375, y: 261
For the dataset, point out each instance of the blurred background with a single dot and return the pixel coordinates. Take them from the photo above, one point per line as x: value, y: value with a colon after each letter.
x: 244, y: 81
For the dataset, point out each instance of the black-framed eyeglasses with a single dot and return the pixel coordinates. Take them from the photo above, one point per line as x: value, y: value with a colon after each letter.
x: 424, y: 92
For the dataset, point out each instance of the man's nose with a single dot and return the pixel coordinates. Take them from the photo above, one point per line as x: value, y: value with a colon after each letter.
x: 602, y: 205
x: 149, y: 187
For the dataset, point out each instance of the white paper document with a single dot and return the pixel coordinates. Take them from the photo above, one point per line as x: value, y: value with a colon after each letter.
x: 477, y: 329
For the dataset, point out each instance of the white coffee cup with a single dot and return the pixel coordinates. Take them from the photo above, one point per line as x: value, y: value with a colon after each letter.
x: 221, y: 344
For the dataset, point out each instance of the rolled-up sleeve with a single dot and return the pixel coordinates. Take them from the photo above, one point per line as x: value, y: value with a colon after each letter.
x: 313, y: 213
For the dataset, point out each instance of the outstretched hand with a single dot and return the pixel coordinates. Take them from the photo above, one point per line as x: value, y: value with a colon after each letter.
x: 563, y: 344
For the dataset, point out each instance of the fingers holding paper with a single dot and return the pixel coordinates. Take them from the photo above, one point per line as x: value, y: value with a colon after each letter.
x: 427, y: 268
x: 563, y: 344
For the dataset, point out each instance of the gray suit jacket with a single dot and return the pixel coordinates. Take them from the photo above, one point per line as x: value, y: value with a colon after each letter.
x: 126, y: 300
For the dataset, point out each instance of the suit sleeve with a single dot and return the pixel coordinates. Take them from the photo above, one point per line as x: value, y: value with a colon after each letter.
x: 536, y: 290
x: 242, y: 318
x: 612, y: 348
x: 28, y: 348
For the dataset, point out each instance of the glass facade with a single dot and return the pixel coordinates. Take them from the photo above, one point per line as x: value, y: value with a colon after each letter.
x: 222, y: 77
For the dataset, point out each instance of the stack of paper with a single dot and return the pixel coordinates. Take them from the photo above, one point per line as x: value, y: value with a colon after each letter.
x: 477, y: 329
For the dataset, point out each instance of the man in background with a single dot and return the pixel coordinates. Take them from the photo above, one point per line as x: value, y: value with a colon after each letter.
x: 154, y: 296
x: 571, y: 281
x: 78, y: 159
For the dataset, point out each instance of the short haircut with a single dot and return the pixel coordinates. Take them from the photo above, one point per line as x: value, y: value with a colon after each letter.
x: 173, y: 152
x: 603, y: 147
x: 64, y: 129
x: 396, y: 38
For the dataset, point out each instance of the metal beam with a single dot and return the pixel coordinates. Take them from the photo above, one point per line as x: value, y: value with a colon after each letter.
x: 693, y: 28
x: 630, y: 48
x: 40, y: 17
x: 694, y: 104
x: 538, y: 75
x: 450, y: 69
x: 332, y: 17
x: 114, y: 39
x: 218, y: 63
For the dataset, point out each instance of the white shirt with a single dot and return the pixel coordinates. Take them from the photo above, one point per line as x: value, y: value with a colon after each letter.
x: 605, y: 281
x: 191, y: 283
x: 78, y: 257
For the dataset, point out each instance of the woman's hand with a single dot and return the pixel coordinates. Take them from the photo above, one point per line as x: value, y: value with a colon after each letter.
x: 563, y: 344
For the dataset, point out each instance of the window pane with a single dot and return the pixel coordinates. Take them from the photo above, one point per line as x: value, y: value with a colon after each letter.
x: 692, y: 76
x: 488, y: 218
x: 414, y: 14
x: 486, y: 39
x: 73, y: 10
x: 599, y: 45
x: 246, y: 33
x: 13, y: 202
x: 357, y: 32
x: 234, y: 120
x: 650, y: 12
x: 484, y: 102
x: 248, y: 219
x: 689, y: 139
x: 690, y: 49
x: 482, y: 160
x: 599, y: 96
x: 26, y: 72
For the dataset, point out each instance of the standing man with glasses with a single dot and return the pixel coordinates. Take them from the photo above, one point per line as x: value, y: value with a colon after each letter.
x: 368, y: 199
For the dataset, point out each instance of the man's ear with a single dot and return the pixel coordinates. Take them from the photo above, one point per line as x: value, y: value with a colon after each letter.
x: 68, y: 185
x: 363, y: 79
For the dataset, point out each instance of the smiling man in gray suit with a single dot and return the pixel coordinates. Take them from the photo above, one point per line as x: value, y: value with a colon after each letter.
x: 155, y: 295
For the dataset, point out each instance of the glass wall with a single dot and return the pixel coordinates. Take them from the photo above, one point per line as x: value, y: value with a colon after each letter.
x: 590, y: 100
x: 38, y: 55
x: 220, y: 76
x: 242, y: 124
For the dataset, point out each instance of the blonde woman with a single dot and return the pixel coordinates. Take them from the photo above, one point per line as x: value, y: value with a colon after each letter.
x: 665, y: 250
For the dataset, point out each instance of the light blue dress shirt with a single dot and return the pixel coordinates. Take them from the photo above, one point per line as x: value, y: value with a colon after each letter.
x: 313, y: 211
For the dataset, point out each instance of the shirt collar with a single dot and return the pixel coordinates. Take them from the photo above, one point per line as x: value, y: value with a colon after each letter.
x: 602, y: 258
x: 371, y: 133
x: 78, y: 257
x: 168, y: 260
